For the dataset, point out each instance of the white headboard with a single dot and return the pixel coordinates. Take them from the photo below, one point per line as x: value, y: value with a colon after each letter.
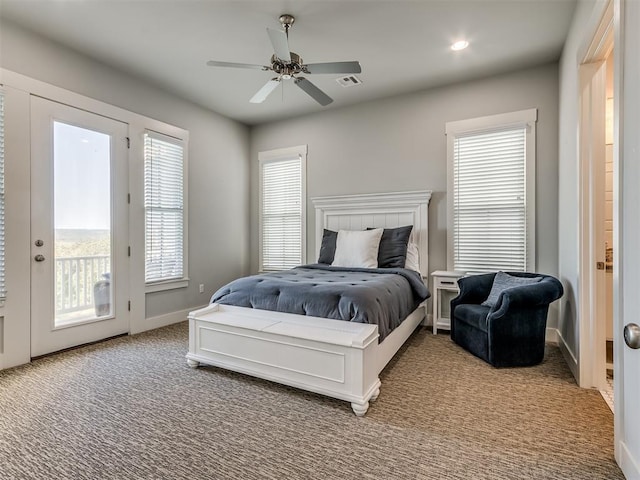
x: 379, y: 210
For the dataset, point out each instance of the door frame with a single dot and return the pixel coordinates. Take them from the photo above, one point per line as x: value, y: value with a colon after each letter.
x: 592, y: 350
x: 46, y: 335
x: 14, y: 330
x: 592, y: 345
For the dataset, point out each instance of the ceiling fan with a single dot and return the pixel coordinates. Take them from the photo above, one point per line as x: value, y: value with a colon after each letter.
x: 289, y: 65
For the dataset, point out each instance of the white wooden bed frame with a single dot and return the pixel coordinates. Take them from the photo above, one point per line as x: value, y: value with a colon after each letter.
x: 331, y: 357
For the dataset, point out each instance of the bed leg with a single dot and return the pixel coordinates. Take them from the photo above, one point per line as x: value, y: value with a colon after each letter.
x: 360, y: 408
x: 193, y: 363
x: 375, y: 395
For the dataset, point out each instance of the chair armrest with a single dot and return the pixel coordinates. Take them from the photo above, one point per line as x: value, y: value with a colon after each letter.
x: 537, y: 294
x: 473, y: 289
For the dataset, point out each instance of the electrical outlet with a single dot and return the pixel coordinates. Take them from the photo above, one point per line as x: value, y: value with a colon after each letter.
x: 202, y: 288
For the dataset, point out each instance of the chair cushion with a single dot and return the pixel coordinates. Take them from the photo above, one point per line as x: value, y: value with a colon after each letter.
x: 503, y: 281
x: 474, y: 315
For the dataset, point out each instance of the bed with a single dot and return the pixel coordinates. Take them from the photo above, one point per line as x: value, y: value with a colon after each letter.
x: 331, y: 357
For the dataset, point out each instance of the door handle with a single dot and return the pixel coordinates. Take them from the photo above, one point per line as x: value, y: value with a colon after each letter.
x: 632, y: 335
x: 39, y: 258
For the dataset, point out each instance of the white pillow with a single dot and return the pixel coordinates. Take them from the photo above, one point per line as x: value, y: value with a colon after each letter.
x: 413, y: 258
x: 355, y: 248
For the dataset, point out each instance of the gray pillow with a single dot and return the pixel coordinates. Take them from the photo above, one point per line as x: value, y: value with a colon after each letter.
x: 392, y: 252
x: 328, y: 247
x: 502, y: 282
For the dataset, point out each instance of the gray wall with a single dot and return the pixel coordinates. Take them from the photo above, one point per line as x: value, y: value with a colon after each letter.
x: 218, y: 158
x: 398, y: 144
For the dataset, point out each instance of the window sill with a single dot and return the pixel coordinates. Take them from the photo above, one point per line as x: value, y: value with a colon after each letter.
x: 168, y: 285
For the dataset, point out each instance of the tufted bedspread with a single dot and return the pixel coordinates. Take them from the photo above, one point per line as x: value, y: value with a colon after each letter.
x: 384, y: 297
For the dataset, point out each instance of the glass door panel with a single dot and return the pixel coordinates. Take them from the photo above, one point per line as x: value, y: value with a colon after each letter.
x: 82, y: 224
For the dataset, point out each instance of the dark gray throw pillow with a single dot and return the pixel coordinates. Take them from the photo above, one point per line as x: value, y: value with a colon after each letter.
x: 328, y: 247
x: 503, y: 281
x: 392, y: 252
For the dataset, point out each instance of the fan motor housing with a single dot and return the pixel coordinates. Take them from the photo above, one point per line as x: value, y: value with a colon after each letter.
x: 292, y: 68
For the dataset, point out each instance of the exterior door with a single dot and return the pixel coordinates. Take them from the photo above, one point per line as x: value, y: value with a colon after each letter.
x: 627, y: 359
x: 79, y: 227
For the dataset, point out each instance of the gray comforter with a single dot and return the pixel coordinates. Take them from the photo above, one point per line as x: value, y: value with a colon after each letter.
x: 381, y: 296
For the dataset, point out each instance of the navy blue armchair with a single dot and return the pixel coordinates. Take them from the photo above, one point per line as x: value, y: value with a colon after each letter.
x: 512, y: 332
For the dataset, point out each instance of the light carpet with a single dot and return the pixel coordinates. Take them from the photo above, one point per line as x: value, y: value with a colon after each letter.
x: 131, y: 408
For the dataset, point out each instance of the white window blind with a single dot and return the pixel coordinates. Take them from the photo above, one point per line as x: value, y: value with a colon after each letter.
x: 489, y: 201
x: 2, y: 266
x: 164, y: 207
x: 282, y: 212
x: 491, y: 194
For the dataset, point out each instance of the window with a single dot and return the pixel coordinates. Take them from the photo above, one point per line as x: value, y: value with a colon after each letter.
x: 491, y: 193
x: 2, y: 267
x: 164, y: 203
x: 282, y: 208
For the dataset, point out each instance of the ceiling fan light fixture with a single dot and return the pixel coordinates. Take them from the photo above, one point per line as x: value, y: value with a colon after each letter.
x: 459, y: 45
x: 288, y: 65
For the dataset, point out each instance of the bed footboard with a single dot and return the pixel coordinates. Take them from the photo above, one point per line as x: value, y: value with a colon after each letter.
x: 329, y: 357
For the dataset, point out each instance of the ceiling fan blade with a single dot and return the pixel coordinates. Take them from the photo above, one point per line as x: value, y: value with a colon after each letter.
x: 333, y: 67
x: 313, y: 91
x: 264, y: 92
x: 213, y: 63
x: 280, y: 44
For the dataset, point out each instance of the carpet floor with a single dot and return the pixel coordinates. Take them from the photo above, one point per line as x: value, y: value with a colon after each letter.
x: 131, y: 408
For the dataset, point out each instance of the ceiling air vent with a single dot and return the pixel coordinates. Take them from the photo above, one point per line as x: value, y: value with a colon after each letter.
x: 349, y: 81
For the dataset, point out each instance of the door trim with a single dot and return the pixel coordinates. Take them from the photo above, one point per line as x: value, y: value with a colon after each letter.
x: 46, y: 334
x: 592, y: 347
x: 15, y: 333
x: 591, y: 352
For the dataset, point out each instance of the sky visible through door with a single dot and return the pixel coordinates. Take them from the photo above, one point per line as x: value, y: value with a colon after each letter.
x: 82, y: 223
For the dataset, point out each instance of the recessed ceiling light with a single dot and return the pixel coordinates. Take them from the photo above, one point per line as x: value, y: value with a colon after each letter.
x: 460, y: 45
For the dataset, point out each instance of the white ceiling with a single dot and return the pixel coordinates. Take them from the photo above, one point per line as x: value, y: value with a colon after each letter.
x: 402, y: 46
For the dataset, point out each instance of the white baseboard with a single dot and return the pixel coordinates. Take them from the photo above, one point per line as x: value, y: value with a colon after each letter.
x: 627, y: 463
x: 569, y: 357
x: 551, y: 335
x: 152, y: 323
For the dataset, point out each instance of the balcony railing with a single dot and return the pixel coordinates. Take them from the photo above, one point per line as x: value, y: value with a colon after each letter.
x: 75, y: 281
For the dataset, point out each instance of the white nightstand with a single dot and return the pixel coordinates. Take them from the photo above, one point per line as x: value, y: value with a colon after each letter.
x: 445, y: 287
